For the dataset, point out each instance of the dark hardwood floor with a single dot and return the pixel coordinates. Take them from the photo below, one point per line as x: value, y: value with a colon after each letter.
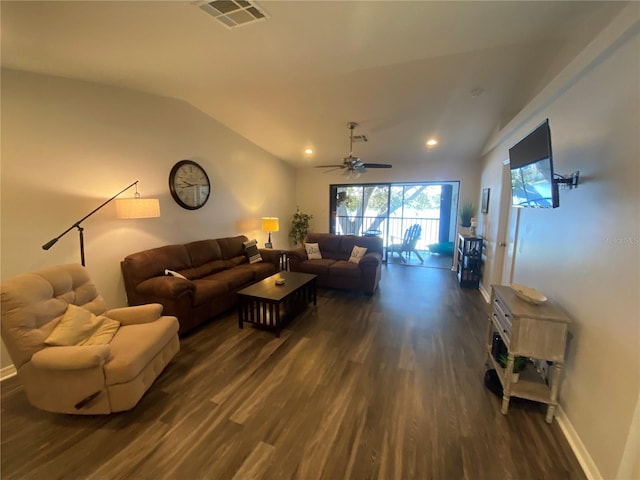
x: 358, y: 387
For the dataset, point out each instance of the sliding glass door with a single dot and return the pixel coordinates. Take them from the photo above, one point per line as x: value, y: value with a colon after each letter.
x: 359, y: 209
x: 388, y: 210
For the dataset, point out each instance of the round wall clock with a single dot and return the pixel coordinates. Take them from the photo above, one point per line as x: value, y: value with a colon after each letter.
x: 189, y: 185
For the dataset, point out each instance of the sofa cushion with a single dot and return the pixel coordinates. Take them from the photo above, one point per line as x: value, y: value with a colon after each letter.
x: 235, y: 277
x: 343, y: 268
x: 152, y: 263
x: 372, y: 244
x: 329, y: 244
x: 203, y: 251
x: 232, y: 247
x: 209, y: 288
x: 318, y: 267
x: 259, y: 270
x: 205, y: 269
x: 134, y: 346
x: 235, y: 261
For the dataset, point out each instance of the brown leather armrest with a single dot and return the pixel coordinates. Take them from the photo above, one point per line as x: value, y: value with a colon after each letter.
x: 299, y: 254
x: 372, y: 259
x: 271, y: 255
x: 165, y: 286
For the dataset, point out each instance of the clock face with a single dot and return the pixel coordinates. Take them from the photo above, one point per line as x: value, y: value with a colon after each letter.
x: 189, y: 184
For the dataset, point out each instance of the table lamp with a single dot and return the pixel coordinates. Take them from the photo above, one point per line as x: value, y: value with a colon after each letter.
x: 270, y: 224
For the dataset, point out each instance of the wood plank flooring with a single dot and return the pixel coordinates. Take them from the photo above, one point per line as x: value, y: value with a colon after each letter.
x: 358, y: 387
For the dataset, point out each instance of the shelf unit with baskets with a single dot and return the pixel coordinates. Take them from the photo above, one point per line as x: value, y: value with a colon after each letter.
x: 469, y: 268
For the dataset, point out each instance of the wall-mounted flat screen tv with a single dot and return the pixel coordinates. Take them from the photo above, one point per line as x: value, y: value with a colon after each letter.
x: 531, y: 164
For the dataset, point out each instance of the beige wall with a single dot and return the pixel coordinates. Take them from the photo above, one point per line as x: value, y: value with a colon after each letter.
x: 584, y: 254
x: 67, y: 146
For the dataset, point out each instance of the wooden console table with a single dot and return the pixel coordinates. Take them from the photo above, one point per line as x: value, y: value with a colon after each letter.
x: 531, y: 331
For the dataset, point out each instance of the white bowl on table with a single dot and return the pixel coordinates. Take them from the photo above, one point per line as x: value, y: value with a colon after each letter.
x: 528, y: 294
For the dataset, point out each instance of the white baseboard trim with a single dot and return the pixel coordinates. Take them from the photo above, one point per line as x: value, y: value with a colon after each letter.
x: 7, y: 372
x: 580, y: 451
x: 486, y: 295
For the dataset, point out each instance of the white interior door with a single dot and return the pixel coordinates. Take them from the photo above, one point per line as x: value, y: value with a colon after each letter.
x: 507, y: 229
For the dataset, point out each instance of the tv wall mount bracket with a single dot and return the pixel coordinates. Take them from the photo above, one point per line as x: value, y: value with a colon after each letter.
x: 568, y: 181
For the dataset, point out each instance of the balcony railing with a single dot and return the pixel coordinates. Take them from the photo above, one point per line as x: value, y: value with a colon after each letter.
x: 390, y: 230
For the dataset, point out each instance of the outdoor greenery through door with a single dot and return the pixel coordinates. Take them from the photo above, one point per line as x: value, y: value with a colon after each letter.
x: 389, y: 210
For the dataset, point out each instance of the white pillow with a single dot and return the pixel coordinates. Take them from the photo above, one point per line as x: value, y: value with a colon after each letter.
x: 171, y: 273
x: 313, y: 251
x: 357, y: 253
x: 79, y: 326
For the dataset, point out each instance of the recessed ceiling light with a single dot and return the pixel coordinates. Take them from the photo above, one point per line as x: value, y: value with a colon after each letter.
x: 432, y: 142
x: 308, y: 151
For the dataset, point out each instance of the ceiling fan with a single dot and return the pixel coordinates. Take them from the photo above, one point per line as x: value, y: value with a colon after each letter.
x: 353, y: 165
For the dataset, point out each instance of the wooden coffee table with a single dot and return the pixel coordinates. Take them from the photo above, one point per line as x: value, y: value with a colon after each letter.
x: 271, y: 306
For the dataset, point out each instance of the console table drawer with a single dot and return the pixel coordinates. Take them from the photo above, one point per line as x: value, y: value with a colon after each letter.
x: 502, y: 321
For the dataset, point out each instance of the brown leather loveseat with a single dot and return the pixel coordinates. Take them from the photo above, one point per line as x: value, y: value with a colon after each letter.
x: 214, y: 269
x: 334, y: 269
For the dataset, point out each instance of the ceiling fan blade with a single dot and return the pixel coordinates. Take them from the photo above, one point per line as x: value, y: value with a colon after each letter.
x: 333, y: 169
x: 329, y: 166
x: 377, y: 165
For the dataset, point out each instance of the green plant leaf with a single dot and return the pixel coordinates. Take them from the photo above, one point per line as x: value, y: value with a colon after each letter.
x: 300, y: 225
x: 466, y: 212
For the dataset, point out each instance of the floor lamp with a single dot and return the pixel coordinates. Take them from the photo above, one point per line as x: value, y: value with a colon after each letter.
x: 125, y: 208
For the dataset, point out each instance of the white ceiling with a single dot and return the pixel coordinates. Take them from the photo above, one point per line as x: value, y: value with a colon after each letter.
x: 403, y: 70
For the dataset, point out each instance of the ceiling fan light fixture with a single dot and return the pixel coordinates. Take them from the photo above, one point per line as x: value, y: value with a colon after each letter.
x: 353, y: 165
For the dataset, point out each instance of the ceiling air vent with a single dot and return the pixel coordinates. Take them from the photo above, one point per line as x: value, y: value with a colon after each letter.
x: 234, y: 13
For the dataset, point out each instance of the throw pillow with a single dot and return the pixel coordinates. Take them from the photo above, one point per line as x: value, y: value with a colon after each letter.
x: 171, y: 273
x: 251, y: 249
x: 78, y: 326
x: 104, y: 333
x: 357, y: 253
x: 313, y: 251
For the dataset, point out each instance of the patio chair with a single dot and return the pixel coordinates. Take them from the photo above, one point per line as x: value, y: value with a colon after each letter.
x: 408, y: 245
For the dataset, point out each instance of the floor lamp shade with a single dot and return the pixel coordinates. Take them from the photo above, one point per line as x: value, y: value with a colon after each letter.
x: 131, y: 208
x: 137, y: 207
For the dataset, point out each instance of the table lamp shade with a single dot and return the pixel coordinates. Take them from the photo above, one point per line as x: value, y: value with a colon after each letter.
x: 270, y: 224
x: 137, y: 207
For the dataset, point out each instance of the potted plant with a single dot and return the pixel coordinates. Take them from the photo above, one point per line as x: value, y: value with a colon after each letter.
x: 519, y: 364
x: 299, y: 226
x: 466, y: 212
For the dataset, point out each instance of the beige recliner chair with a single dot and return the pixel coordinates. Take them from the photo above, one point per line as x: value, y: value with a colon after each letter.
x: 81, y: 379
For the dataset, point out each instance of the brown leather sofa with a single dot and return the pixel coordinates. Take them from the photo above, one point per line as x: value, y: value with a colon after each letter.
x: 334, y: 269
x: 214, y: 269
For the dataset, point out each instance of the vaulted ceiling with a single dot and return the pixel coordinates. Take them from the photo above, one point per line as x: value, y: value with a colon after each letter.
x: 405, y: 71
